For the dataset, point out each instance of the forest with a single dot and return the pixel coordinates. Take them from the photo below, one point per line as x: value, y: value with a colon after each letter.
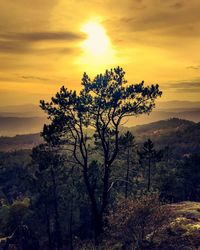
x: 93, y: 183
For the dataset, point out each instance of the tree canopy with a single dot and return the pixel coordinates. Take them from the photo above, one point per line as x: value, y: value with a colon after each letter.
x: 100, y: 106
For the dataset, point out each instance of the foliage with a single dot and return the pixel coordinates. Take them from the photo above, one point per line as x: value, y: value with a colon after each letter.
x: 135, y: 223
x: 17, y: 213
x: 13, y: 174
x: 67, y: 190
x: 127, y: 165
x: 148, y: 159
x: 101, y: 104
x: 191, y: 177
x: 13, y: 215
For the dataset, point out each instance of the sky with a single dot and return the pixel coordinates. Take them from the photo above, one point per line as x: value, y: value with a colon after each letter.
x: 45, y: 44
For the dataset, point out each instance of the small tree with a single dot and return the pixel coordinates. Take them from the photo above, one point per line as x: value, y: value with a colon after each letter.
x: 127, y: 150
x: 101, y: 105
x: 190, y: 172
x: 49, y: 165
x: 149, y: 156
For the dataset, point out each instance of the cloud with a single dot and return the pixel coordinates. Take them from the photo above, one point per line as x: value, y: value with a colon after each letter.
x: 177, y: 5
x: 15, y: 78
x: 24, y: 15
x: 151, y: 38
x: 7, y: 78
x: 187, y: 84
x: 190, y: 90
x: 163, y: 20
x: 192, y: 86
x: 194, y: 67
x: 8, y: 46
x: 23, y: 42
x: 43, y: 36
x: 35, y: 78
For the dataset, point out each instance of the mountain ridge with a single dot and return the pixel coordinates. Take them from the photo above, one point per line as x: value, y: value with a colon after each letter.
x: 165, y: 132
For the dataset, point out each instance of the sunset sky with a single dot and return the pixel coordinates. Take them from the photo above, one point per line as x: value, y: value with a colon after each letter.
x: 45, y: 44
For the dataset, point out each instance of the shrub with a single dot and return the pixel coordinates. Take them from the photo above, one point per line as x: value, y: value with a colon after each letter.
x: 136, y: 223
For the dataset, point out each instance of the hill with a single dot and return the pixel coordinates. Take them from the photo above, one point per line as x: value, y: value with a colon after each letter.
x: 182, y: 136
x: 19, y: 142
x: 26, y: 110
x: 29, y: 118
x: 10, y: 126
x: 159, y: 114
x: 163, y: 126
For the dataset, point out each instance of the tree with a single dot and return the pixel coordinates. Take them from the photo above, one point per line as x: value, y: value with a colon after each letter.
x: 101, y: 105
x: 191, y: 174
x: 128, y: 146
x: 48, y: 167
x: 148, y: 155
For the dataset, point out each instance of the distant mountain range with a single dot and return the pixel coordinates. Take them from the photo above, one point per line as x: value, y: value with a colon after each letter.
x: 20, y: 142
x: 26, y: 110
x: 10, y: 126
x: 29, y: 118
x: 177, y: 105
x: 182, y: 136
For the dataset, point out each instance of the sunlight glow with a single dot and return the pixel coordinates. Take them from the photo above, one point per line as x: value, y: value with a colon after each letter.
x: 97, y: 42
x: 97, y: 49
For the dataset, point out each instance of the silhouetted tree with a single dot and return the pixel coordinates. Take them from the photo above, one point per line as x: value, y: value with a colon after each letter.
x: 128, y: 149
x: 149, y: 156
x: 191, y: 177
x: 101, y: 104
x: 49, y: 163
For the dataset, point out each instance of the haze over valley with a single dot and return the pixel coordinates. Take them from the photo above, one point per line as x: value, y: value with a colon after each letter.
x: 29, y: 118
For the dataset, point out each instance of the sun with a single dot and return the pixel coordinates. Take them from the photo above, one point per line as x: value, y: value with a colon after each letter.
x: 97, y: 49
x: 97, y: 42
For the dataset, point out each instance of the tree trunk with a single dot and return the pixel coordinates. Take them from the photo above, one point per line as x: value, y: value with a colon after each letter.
x: 70, y: 227
x: 48, y: 228
x: 127, y: 175
x: 104, y: 204
x: 105, y: 188
x: 149, y: 175
x: 98, y: 229
x: 58, y: 236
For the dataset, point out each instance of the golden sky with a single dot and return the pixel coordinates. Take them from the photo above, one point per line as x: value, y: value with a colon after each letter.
x: 48, y: 43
